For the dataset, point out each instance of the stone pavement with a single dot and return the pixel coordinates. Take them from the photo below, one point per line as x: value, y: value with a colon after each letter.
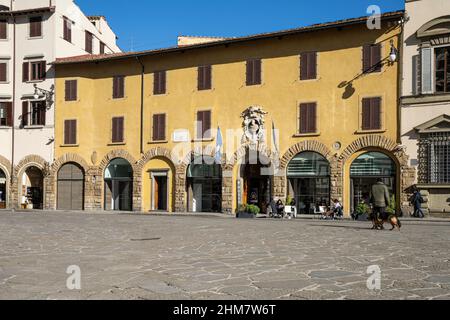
x: 196, y: 257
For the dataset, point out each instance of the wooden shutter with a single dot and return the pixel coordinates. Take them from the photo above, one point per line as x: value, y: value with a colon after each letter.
x: 9, y: 109
x: 308, y: 66
x: 118, y: 87
x: 117, y: 130
x: 67, y: 29
x: 71, y: 90
x: 376, y: 57
x: 308, y: 118
x: 3, y: 29
x: 159, y: 82
x: 375, y: 113
x: 88, y: 42
x: 3, y: 75
x: 366, y: 57
x: 249, y: 73
x: 42, y: 70
x: 312, y: 114
x: 102, y: 48
x: 312, y: 65
x: 42, y: 113
x: 366, y: 114
x: 159, y: 127
x: 24, y: 113
x: 35, y: 27
x: 427, y: 71
x: 257, y: 71
x: 204, y: 78
x: 203, y: 124
x: 25, y: 72
x: 70, y: 132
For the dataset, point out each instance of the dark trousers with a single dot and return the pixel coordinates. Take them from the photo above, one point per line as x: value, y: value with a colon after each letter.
x: 418, y: 211
x: 378, y: 213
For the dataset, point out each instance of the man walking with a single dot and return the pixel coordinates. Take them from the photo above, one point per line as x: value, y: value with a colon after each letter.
x: 416, y: 202
x: 379, y: 198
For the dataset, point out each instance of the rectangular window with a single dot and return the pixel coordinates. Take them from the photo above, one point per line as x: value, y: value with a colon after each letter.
x: 372, y: 58
x: 67, y: 32
x: 34, y: 71
x: 159, y: 127
x: 36, y: 114
x: 204, y: 78
x: 118, y: 87
x: 434, y: 157
x: 88, y: 42
x: 71, y: 90
x: 3, y: 29
x: 3, y: 72
x: 442, y: 63
x: 6, y: 114
x: 117, y: 129
x: 159, y: 82
x: 371, y: 114
x: 204, y: 124
x: 308, y: 118
x: 35, y: 27
x: 102, y: 48
x: 253, y: 73
x: 308, y: 66
x: 70, y: 132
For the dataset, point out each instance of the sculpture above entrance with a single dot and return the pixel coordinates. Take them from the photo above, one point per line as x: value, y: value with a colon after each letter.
x: 253, y: 125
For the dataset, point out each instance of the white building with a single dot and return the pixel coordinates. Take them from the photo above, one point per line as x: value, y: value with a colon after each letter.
x: 425, y: 125
x: 33, y: 33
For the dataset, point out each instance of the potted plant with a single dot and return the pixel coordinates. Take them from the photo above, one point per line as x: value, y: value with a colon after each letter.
x: 362, y: 211
x: 391, y: 208
x: 247, y: 211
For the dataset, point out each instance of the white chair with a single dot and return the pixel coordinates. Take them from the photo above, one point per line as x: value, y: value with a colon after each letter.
x: 290, y: 211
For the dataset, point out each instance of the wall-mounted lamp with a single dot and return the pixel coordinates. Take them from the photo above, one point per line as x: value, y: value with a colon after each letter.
x: 394, y: 53
x: 47, y: 93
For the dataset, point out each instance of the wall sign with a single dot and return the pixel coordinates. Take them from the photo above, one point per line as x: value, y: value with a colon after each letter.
x: 180, y: 136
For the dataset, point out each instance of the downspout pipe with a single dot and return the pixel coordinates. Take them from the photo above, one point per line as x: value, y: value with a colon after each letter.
x: 141, y: 133
x: 13, y: 117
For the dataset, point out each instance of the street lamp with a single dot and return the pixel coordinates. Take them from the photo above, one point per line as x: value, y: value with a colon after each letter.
x: 394, y: 53
x: 47, y: 93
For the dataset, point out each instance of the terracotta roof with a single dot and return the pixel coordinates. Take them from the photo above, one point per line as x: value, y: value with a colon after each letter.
x: 27, y: 11
x: 314, y: 27
x: 96, y: 17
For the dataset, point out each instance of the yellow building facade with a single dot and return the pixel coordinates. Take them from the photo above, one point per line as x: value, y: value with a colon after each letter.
x: 334, y: 154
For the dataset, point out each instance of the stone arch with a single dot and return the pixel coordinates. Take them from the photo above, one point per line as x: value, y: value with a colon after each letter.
x: 19, y: 169
x: 309, y: 145
x: 154, y: 153
x: 240, y: 153
x: 5, y: 166
x: 51, y: 194
x: 390, y: 148
x: 99, y: 174
x: 305, y: 146
x: 180, y: 175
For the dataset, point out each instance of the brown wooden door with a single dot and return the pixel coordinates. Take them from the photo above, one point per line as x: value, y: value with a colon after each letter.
x: 70, y: 192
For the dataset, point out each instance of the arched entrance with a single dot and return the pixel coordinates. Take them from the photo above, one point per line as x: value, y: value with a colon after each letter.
x: 118, y: 179
x: 32, y: 188
x: 204, y: 185
x: 3, y: 189
x: 308, y: 175
x: 364, y: 172
x: 70, y: 187
x: 256, y: 177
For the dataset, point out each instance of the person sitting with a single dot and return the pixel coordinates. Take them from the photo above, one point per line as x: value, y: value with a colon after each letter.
x: 280, y: 207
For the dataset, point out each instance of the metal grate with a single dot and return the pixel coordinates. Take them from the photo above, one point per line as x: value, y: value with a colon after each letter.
x: 437, y: 151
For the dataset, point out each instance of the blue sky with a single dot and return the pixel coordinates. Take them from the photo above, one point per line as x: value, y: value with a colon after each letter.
x: 150, y: 24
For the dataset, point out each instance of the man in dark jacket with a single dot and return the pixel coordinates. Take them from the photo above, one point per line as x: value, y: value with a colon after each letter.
x: 416, y: 202
x: 379, y: 198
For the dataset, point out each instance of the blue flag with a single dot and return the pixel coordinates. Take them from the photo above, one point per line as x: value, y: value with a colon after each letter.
x: 219, y: 145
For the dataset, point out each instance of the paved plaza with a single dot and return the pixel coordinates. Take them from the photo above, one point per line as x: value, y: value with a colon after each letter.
x: 213, y: 257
